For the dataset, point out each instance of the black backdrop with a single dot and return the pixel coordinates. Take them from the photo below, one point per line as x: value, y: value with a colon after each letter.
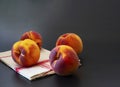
x: 97, y: 22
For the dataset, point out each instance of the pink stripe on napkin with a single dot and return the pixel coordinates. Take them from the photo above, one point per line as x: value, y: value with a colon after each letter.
x: 5, y: 56
x: 42, y: 64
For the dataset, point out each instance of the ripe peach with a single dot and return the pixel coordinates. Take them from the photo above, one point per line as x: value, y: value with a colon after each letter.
x: 64, y: 60
x: 35, y: 36
x: 25, y: 52
x: 71, y: 39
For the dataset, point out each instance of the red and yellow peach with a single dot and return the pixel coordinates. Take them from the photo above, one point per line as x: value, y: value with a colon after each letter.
x: 25, y: 52
x: 71, y: 39
x: 35, y: 36
x: 64, y: 60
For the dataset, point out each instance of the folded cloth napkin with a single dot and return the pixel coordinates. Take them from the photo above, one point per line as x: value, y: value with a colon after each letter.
x: 41, y: 69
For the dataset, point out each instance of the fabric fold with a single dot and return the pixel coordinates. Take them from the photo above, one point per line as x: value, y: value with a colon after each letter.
x: 41, y: 69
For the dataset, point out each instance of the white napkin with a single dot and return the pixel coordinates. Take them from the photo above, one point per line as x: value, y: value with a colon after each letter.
x: 42, y: 69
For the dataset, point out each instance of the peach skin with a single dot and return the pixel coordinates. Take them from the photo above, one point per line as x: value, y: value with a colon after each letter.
x: 64, y: 60
x: 71, y: 39
x: 25, y: 52
x: 35, y: 36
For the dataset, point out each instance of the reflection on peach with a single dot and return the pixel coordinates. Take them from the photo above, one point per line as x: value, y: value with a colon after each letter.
x: 71, y: 39
x: 35, y: 36
x: 25, y: 52
x: 64, y: 60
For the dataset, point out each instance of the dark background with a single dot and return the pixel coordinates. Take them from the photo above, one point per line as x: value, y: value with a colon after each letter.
x: 97, y: 22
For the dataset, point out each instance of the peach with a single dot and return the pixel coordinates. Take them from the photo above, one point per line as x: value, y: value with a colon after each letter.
x: 64, y: 60
x: 33, y: 35
x: 71, y: 39
x: 25, y: 52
